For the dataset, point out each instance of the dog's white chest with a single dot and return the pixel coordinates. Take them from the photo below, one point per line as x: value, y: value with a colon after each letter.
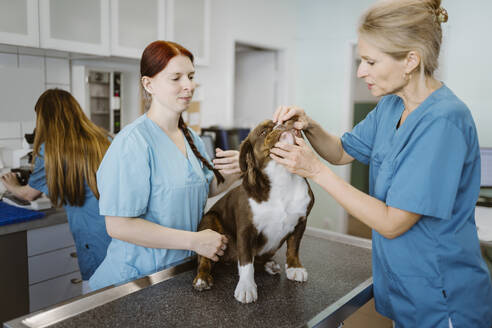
x: 288, y: 201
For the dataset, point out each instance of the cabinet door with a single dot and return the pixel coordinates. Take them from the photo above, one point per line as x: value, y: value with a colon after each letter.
x: 19, y: 22
x: 134, y: 24
x: 52, y: 264
x: 54, y: 291
x: 188, y: 23
x: 74, y: 25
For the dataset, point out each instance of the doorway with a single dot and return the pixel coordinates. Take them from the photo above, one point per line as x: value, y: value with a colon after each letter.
x: 257, y: 83
x: 362, y: 102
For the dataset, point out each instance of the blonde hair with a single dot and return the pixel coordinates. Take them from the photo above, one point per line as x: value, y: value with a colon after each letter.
x: 398, y: 27
x: 74, y: 147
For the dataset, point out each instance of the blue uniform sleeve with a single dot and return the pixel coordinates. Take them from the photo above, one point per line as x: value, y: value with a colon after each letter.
x: 359, y: 142
x: 123, y: 178
x: 200, y: 145
x: 427, y: 172
x: 37, y: 179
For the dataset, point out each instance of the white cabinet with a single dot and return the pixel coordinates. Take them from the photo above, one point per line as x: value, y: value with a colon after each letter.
x: 52, y: 265
x: 19, y: 22
x: 74, y: 25
x: 188, y: 23
x: 134, y: 24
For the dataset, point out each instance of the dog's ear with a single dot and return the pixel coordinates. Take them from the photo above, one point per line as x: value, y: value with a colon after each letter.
x: 246, y: 158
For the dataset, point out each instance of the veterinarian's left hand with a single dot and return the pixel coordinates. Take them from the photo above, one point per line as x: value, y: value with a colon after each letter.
x: 298, y: 159
x: 227, y: 161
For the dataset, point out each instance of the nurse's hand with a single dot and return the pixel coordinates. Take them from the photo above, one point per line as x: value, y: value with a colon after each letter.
x: 283, y: 113
x: 210, y: 244
x: 227, y: 161
x: 298, y: 159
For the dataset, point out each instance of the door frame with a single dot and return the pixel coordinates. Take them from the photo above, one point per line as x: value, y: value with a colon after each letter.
x: 282, y: 73
x: 347, y: 118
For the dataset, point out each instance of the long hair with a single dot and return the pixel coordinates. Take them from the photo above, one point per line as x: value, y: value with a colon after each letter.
x: 154, y: 59
x: 73, y: 147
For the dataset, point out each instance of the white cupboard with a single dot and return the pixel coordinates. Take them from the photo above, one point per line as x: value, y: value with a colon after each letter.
x: 134, y: 24
x: 75, y: 26
x: 188, y: 23
x: 119, y: 28
x: 19, y: 22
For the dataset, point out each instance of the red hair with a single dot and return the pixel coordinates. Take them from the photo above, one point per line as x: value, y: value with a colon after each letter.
x: 154, y: 59
x: 157, y: 54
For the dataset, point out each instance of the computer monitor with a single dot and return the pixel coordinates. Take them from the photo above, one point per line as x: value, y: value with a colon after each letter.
x: 486, y: 163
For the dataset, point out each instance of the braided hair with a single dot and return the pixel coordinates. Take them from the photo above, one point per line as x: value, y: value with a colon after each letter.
x: 154, y: 59
x: 189, y: 138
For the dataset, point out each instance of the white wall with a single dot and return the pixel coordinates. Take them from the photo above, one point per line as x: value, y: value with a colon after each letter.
x: 325, y: 34
x: 466, y: 59
x: 45, y: 70
x: 271, y: 24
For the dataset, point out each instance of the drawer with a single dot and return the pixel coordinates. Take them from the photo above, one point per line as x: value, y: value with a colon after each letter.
x: 47, y: 239
x: 52, y: 264
x: 53, y: 291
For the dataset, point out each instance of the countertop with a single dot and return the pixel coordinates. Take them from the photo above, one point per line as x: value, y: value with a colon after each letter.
x: 53, y: 216
x: 339, y: 268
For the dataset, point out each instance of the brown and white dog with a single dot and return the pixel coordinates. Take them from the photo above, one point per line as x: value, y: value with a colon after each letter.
x: 270, y: 206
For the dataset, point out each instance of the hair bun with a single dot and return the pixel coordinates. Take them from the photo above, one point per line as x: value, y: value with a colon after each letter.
x: 442, y: 15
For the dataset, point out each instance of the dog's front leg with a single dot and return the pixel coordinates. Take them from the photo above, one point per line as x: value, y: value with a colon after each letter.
x: 293, y: 268
x: 246, y: 291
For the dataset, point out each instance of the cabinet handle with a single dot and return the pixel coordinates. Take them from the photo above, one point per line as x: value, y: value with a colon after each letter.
x: 74, y: 254
x: 76, y: 281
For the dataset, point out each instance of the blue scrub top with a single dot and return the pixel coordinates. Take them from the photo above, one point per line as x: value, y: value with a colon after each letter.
x: 145, y: 175
x: 430, y: 165
x: 87, y: 226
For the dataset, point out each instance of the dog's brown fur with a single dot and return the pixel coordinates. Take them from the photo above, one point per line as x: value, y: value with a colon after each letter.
x: 232, y: 214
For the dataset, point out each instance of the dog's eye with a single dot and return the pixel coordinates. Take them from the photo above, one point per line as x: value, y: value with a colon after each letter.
x: 264, y: 132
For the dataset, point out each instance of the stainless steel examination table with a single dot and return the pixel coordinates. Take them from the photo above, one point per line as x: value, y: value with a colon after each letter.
x: 339, y: 268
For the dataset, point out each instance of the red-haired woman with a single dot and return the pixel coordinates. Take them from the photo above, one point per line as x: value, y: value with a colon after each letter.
x: 156, y: 177
x: 68, y: 148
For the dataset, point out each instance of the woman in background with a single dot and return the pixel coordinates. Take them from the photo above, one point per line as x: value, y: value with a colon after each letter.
x: 156, y: 177
x: 68, y: 148
x: 421, y: 145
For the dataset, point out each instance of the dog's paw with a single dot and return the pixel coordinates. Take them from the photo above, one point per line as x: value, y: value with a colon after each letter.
x: 298, y: 274
x: 203, y: 282
x: 272, y: 267
x: 246, y: 291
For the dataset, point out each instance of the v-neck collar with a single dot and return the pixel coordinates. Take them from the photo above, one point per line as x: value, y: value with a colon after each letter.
x: 190, y: 157
x: 415, y: 113
x: 187, y: 147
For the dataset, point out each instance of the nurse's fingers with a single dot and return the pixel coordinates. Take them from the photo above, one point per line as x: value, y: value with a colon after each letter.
x: 287, y: 163
x: 225, y: 160
x: 226, y: 153
x: 224, y: 239
x: 277, y: 113
x: 226, y: 166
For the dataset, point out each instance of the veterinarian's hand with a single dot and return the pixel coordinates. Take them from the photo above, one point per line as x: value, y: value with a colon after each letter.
x: 298, y: 159
x: 283, y: 113
x: 227, y: 161
x: 10, y: 180
x: 210, y: 244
